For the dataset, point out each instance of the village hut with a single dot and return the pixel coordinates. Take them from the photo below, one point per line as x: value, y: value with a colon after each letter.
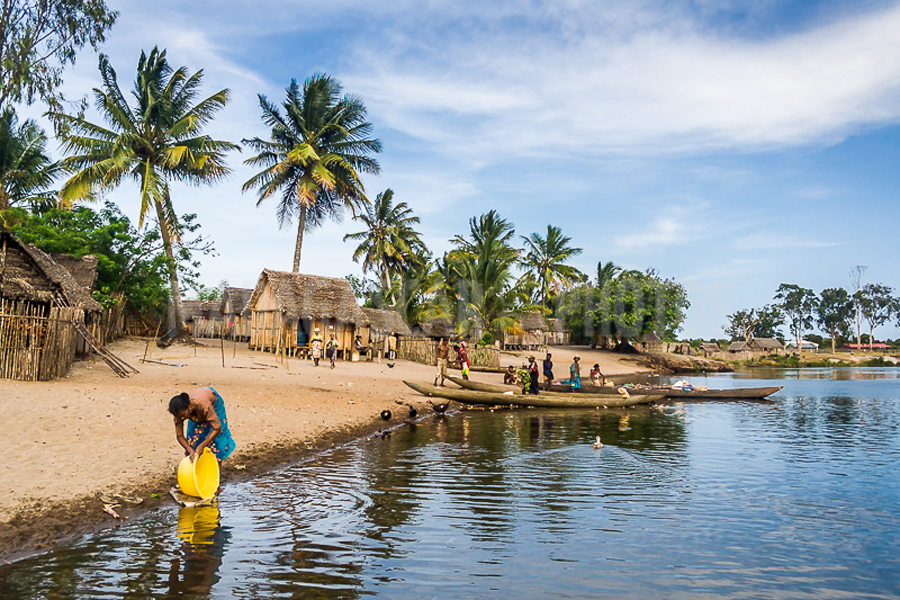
x: 190, y: 309
x: 207, y: 320
x: 650, y: 342
x: 286, y: 308
x: 42, y: 305
x: 754, y: 348
x: 527, y: 333
x: 709, y: 349
x: 556, y: 334
x: 384, y: 330
x: 234, y: 301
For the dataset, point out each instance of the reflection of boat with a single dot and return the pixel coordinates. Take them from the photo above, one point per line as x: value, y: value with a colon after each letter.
x: 541, y: 400
x: 757, y: 393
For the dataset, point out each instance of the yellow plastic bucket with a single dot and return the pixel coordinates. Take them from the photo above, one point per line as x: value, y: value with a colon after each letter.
x: 201, y: 477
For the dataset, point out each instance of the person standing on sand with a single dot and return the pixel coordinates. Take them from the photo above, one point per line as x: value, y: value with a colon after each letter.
x: 331, y: 348
x: 463, y: 355
x: 443, y: 353
x: 207, y: 423
x: 392, y: 346
x: 548, y: 372
x: 575, y: 374
x: 533, y: 373
x: 315, y: 343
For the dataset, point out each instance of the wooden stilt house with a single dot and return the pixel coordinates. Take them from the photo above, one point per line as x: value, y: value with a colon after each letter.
x: 285, y: 309
x: 40, y: 304
x: 527, y: 334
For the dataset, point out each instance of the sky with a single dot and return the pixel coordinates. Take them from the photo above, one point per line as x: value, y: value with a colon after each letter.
x: 730, y: 145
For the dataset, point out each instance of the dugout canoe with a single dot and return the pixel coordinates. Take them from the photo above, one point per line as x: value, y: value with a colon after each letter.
x: 542, y: 400
x: 757, y: 393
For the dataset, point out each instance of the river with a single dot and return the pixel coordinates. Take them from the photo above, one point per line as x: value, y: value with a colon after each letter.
x: 794, y: 498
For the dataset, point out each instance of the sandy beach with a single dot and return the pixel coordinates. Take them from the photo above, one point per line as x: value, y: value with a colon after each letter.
x: 93, y: 431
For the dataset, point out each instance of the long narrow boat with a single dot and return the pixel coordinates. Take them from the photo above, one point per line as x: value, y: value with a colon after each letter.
x: 541, y: 400
x: 757, y: 393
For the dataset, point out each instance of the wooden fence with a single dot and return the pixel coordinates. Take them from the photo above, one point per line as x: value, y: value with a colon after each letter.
x: 37, y: 341
x: 424, y: 350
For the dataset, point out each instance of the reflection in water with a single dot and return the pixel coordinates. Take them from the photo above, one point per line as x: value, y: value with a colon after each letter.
x: 793, y: 498
x: 195, y: 568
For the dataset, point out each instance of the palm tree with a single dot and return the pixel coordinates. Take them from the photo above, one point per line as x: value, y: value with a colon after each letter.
x: 389, y: 242
x: 545, y: 259
x: 607, y: 273
x: 156, y: 141
x: 25, y: 169
x: 481, y: 267
x: 317, y: 150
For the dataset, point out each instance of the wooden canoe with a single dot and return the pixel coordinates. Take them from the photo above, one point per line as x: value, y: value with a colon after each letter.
x: 757, y: 393
x: 541, y: 400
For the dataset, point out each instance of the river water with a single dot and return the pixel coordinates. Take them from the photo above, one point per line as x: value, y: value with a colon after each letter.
x: 794, y: 498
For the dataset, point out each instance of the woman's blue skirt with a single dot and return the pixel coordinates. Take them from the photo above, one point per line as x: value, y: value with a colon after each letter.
x: 223, y: 444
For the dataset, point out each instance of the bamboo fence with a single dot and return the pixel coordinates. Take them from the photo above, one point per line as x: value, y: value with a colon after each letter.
x: 424, y: 350
x: 37, y: 341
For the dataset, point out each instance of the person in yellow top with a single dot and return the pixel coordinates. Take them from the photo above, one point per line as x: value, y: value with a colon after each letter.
x: 315, y: 344
x: 331, y: 348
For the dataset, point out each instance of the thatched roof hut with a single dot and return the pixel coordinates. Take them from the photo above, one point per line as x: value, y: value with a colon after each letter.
x: 527, y: 333
x: 286, y: 307
x: 27, y: 273
x: 385, y: 322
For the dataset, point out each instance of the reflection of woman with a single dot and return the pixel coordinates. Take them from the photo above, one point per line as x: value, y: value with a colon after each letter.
x: 204, y: 546
x: 207, y: 423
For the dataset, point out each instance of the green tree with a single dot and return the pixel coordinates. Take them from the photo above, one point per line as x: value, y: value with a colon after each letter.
x: 389, y: 243
x: 26, y: 172
x: 752, y: 323
x: 316, y: 152
x: 39, y: 37
x: 156, y: 141
x: 877, y: 304
x: 480, y: 273
x: 834, y: 311
x: 545, y: 259
x: 129, y: 261
x: 798, y: 305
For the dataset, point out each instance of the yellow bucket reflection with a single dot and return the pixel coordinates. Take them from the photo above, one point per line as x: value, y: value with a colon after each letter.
x: 197, y: 525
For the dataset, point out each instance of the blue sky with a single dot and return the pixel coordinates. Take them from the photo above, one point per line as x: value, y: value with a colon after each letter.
x: 730, y: 145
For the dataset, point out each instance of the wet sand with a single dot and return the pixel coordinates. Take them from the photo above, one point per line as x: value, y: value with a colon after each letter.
x: 93, y: 431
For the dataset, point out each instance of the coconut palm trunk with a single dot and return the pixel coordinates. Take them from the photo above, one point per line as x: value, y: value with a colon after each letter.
x: 177, y: 327
x: 299, y: 245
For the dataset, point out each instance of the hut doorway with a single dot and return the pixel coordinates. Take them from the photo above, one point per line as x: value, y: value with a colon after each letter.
x: 304, y: 327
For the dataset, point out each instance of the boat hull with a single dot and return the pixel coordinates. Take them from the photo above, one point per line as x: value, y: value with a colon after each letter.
x: 541, y: 400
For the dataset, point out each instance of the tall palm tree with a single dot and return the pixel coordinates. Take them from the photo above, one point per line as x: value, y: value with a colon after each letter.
x: 389, y: 241
x: 545, y: 259
x: 317, y: 150
x: 26, y: 172
x: 481, y: 266
x: 154, y: 142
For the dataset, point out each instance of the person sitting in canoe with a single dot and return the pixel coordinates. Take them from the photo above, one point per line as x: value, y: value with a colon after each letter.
x: 597, y: 377
x: 207, y: 423
x: 509, y: 377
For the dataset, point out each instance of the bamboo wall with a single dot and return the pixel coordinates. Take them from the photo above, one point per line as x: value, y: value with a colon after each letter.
x: 424, y: 350
x: 37, y: 342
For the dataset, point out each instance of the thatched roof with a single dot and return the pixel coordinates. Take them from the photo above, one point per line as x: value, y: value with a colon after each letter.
x: 386, y: 321
x: 438, y: 328
x: 532, y: 321
x: 30, y: 274
x: 738, y: 346
x: 234, y: 300
x: 709, y: 346
x: 83, y: 269
x: 302, y: 296
x: 650, y: 338
x: 766, y: 344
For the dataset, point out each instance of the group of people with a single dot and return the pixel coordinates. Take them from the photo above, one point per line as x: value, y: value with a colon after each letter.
x: 443, y: 360
x: 529, y: 374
